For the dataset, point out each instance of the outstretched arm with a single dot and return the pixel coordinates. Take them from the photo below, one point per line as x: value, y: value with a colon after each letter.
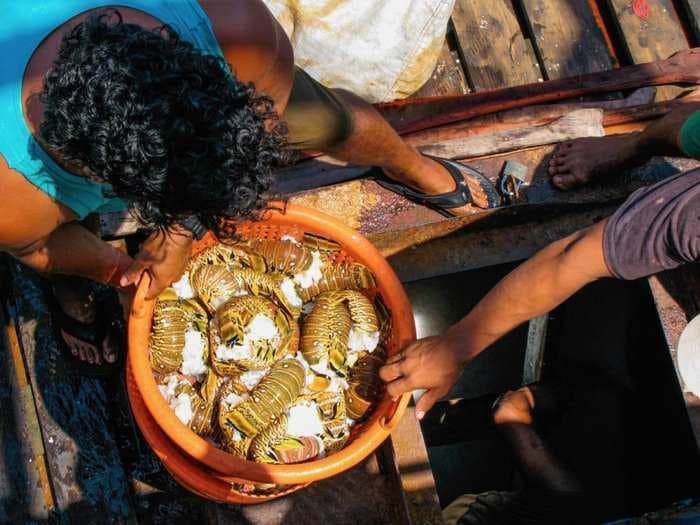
x: 533, y: 288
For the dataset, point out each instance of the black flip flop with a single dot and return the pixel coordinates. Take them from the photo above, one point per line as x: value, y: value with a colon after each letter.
x: 93, y: 333
x: 460, y: 196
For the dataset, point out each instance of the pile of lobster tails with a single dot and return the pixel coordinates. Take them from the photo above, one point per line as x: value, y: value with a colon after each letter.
x: 271, y: 348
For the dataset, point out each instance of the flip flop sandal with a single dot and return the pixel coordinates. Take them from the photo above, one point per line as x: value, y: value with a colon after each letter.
x: 460, y: 196
x: 93, y: 333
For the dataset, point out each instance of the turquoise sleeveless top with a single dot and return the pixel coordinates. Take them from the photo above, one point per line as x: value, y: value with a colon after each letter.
x: 23, y: 26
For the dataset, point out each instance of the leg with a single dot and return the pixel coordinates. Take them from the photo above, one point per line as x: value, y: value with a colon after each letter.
x: 579, y: 161
x: 345, y: 126
x: 373, y: 141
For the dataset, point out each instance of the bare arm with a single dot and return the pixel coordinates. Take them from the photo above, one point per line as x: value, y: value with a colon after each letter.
x: 43, y: 234
x: 533, y: 288
x: 662, y: 137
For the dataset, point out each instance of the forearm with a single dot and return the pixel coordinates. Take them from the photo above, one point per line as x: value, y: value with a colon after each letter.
x: 535, y: 287
x: 662, y: 137
x: 73, y: 250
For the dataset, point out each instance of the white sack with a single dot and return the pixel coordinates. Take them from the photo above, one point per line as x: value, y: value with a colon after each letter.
x: 379, y: 49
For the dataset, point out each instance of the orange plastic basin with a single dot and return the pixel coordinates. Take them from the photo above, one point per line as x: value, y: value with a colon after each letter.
x: 203, y: 457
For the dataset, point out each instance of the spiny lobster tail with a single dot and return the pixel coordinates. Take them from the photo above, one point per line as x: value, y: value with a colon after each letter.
x: 262, y: 444
x: 326, y: 329
x: 348, y: 276
x: 273, y: 395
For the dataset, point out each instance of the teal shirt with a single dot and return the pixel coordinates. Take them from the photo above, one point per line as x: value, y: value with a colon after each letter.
x: 690, y: 136
x: 23, y: 26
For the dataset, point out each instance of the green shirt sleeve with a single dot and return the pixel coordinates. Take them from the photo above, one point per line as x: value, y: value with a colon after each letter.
x: 690, y: 136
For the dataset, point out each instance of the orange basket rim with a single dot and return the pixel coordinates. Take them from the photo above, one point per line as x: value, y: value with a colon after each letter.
x: 185, y: 470
x: 374, y: 431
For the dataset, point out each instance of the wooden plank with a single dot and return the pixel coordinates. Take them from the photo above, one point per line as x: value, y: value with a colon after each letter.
x: 405, y: 116
x: 567, y: 38
x: 677, y: 299
x: 406, y: 456
x: 534, y: 351
x: 692, y: 13
x: 87, y: 477
x: 492, y: 46
x: 448, y: 77
x: 472, y: 248
x: 362, y: 495
x: 577, y: 124
x: 651, y: 31
x: 25, y: 490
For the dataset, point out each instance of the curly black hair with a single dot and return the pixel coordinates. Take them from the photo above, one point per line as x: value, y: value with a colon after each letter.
x: 170, y: 128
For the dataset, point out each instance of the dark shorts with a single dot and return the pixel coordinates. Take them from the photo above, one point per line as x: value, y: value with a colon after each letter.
x: 316, y: 118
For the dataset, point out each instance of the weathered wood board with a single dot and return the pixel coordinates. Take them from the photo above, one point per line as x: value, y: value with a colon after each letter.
x: 651, y: 31
x: 25, y: 492
x: 494, y: 50
x: 692, y: 13
x: 448, y: 77
x: 577, y: 124
x: 567, y: 37
x: 677, y: 303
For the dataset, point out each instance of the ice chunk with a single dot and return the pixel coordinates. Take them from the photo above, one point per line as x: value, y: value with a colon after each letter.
x: 312, y: 274
x: 233, y: 399
x: 224, y: 353
x: 261, y: 327
x: 193, y: 354
x: 359, y: 340
x: 167, y: 389
x: 304, y: 420
x: 182, y: 405
x: 252, y: 377
x: 290, y: 292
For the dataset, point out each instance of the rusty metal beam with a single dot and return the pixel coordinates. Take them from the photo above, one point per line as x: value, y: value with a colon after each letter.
x: 469, y: 248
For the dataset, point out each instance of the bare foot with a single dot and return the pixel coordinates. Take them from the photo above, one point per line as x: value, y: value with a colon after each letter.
x: 579, y: 161
x: 77, y: 300
x: 514, y: 407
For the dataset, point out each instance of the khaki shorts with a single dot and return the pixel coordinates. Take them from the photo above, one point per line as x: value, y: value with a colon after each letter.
x: 316, y: 118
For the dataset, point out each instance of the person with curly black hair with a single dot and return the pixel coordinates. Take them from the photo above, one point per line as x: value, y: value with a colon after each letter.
x: 179, y: 110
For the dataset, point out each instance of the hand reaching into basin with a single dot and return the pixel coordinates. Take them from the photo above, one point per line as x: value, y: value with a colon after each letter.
x: 535, y: 287
x: 434, y: 363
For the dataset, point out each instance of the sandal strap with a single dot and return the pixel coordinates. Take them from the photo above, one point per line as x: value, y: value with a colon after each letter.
x: 460, y: 196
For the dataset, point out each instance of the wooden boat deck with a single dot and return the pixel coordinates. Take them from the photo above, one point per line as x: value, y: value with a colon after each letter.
x: 71, y: 453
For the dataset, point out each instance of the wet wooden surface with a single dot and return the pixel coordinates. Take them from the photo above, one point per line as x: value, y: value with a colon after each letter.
x: 651, y: 30
x: 448, y: 76
x: 567, y: 39
x: 677, y: 298
x: 692, y: 15
x: 494, y: 50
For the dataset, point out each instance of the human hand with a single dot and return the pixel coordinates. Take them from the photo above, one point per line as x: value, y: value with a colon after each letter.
x: 164, y: 255
x: 433, y: 363
x: 514, y: 407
